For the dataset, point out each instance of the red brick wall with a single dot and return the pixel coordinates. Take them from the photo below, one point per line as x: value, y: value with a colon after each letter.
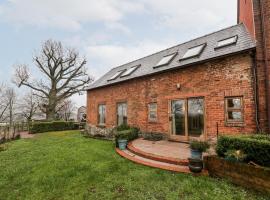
x: 213, y: 80
x: 261, y: 18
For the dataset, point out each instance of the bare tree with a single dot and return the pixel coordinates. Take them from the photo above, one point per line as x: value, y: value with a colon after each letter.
x: 10, y: 99
x: 29, y: 106
x: 66, y: 109
x: 64, y: 74
x: 3, y: 103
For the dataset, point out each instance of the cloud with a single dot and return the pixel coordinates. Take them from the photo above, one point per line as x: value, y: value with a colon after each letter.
x: 193, y: 14
x: 101, y: 58
x: 66, y: 14
x: 72, y: 14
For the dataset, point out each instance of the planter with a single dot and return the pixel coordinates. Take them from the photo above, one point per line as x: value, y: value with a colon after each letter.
x: 196, y: 154
x: 195, y: 165
x: 249, y: 176
x: 122, y: 144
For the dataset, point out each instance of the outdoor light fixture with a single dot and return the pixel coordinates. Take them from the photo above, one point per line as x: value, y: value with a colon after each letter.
x: 178, y: 86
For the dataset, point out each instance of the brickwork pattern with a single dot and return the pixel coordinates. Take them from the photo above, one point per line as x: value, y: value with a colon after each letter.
x: 231, y: 76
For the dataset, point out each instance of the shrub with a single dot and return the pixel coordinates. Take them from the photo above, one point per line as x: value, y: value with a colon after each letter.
x: 128, y: 134
x: 41, y: 127
x: 260, y: 137
x: 235, y: 155
x: 152, y: 136
x: 123, y: 127
x: 199, y: 145
x: 256, y: 149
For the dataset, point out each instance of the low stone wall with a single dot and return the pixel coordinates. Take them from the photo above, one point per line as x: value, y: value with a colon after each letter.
x: 249, y: 176
x: 99, y: 132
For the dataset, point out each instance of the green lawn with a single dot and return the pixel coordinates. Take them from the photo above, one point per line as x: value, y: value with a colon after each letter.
x: 65, y: 165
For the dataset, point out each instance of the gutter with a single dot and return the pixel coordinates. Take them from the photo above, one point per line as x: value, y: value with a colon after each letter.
x: 255, y: 90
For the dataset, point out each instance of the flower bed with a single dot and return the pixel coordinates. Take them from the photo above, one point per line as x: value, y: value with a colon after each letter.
x: 255, y: 147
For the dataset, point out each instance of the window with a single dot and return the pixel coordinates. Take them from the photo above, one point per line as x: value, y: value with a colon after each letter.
x: 130, y: 71
x: 101, y: 114
x: 226, y: 42
x: 166, y: 60
x: 121, y: 113
x: 194, y: 51
x: 234, y: 109
x: 152, y: 112
x: 116, y: 75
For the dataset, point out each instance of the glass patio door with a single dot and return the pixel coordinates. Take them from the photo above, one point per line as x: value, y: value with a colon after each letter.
x: 195, y: 117
x: 178, y: 117
x: 187, y: 117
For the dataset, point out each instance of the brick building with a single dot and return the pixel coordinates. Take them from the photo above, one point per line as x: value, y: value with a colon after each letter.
x: 214, y: 84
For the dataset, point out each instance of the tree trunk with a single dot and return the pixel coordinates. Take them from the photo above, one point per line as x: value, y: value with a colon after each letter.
x: 51, y: 108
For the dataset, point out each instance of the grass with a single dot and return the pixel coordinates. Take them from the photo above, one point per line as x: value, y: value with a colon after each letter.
x: 65, y: 165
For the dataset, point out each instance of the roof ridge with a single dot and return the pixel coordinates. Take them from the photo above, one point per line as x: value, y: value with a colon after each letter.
x: 240, y: 24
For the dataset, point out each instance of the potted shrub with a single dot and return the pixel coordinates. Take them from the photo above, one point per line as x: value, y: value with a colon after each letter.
x: 122, y: 140
x: 197, y: 148
x: 124, y: 135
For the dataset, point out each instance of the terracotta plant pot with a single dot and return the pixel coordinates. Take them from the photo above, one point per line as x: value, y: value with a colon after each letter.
x: 195, y: 165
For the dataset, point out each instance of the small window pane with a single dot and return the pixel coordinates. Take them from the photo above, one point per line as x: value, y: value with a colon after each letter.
x: 227, y: 41
x: 130, y: 71
x: 152, y: 112
x: 121, y: 114
x: 234, y: 103
x: 194, y: 51
x: 153, y: 115
x: 116, y: 75
x: 101, y: 114
x: 165, y: 60
x: 233, y: 115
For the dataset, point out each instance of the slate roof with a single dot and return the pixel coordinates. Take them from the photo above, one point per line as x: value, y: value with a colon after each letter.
x: 245, y: 42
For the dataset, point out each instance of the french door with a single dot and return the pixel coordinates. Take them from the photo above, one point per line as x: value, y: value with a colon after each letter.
x: 187, y: 118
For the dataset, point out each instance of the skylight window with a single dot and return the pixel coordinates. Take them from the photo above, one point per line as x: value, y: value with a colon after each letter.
x: 116, y: 75
x: 130, y: 71
x: 166, y: 60
x: 194, y: 51
x: 226, y: 42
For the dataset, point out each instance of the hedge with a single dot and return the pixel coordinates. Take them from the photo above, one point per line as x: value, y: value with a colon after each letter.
x: 257, y: 147
x: 41, y: 127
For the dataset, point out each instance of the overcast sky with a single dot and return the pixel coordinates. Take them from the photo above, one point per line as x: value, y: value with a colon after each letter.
x: 108, y: 32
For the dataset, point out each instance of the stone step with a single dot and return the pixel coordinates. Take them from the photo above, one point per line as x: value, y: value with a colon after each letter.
x: 153, y: 163
x: 155, y: 157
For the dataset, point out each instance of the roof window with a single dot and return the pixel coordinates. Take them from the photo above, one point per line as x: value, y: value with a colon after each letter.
x: 116, y: 75
x: 165, y: 60
x: 194, y: 51
x: 227, y: 41
x: 130, y: 71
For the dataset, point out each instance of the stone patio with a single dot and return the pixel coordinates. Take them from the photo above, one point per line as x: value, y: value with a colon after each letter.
x: 172, y: 156
x: 163, y: 148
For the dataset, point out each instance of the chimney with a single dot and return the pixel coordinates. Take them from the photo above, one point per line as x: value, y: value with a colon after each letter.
x: 246, y: 15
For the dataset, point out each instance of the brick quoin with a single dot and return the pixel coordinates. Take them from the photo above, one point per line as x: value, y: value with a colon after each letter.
x: 231, y: 76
